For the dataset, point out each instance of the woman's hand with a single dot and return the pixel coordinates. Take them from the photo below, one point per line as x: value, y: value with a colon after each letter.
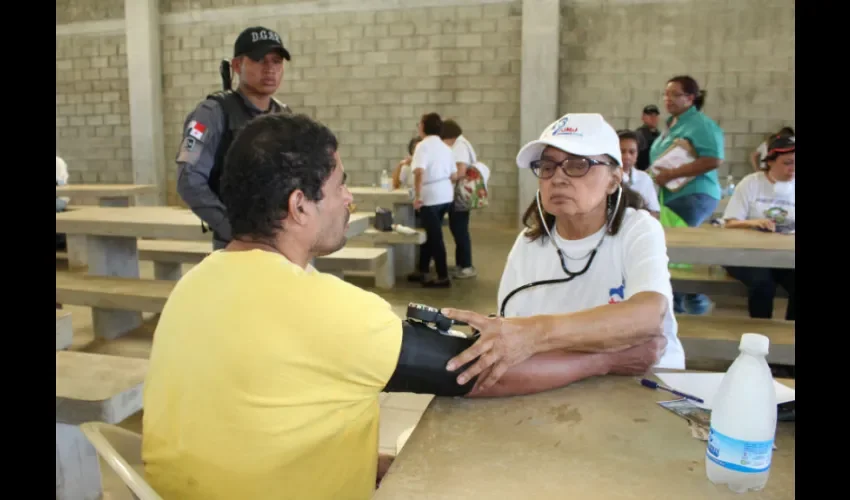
x: 503, y: 343
x: 664, y: 176
x: 762, y: 224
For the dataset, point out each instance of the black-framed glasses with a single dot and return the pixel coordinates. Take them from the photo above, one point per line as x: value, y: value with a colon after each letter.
x: 573, y: 167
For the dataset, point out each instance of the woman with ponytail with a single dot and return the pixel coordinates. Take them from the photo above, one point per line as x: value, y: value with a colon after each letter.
x: 697, y: 199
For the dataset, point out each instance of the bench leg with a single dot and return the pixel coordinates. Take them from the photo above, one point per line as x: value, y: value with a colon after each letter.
x: 169, y: 271
x: 76, y: 244
x: 113, y: 256
x: 385, y: 272
x: 77, y: 465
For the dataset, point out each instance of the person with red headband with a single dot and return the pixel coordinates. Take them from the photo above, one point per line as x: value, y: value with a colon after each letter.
x: 765, y: 201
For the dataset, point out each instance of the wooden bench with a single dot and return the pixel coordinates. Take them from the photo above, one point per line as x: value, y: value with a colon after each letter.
x: 90, y: 387
x: 718, y: 337
x: 375, y: 261
x: 112, y: 293
x: 704, y: 279
x: 168, y: 256
x: 64, y: 330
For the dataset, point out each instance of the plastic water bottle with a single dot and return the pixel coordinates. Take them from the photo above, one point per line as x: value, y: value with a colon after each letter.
x: 743, y: 420
x: 385, y: 180
x: 730, y: 186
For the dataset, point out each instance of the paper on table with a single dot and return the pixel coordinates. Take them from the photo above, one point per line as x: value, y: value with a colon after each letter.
x: 705, y: 385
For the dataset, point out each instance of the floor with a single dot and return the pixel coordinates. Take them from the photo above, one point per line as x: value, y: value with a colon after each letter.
x: 398, y: 411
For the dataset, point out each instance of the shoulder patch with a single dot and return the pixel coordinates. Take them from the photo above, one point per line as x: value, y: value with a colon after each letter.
x: 197, y: 129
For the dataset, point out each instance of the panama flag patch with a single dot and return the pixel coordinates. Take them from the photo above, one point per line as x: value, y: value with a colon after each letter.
x: 197, y: 130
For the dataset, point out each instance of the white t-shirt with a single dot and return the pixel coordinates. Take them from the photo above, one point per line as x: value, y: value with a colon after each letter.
x: 61, y: 171
x: 632, y: 261
x: 756, y: 198
x: 642, y: 184
x: 436, y: 160
x: 405, y: 176
x: 464, y: 152
x: 762, y: 150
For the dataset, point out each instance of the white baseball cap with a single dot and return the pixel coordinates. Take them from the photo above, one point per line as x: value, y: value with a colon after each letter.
x: 582, y: 134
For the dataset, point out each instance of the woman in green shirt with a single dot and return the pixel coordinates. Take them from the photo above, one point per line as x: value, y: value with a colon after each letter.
x: 697, y: 200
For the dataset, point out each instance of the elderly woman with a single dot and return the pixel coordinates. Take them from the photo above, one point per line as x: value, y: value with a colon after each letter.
x: 766, y: 201
x: 588, y: 274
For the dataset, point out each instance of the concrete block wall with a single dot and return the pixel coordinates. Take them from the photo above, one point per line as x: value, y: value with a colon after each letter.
x: 92, y: 104
x: 617, y: 55
x: 369, y: 69
x: 369, y: 76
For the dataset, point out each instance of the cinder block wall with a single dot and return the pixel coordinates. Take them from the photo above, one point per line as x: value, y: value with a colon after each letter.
x: 370, y: 74
x: 616, y: 57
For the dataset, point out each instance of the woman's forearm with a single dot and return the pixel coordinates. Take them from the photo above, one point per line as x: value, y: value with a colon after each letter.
x: 546, y: 371
x: 696, y: 167
x: 737, y: 224
x: 604, y: 328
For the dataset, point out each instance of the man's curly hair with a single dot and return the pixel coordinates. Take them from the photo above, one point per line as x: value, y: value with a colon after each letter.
x: 271, y: 157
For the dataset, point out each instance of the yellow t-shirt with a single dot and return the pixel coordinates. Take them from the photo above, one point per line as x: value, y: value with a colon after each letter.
x: 264, y: 381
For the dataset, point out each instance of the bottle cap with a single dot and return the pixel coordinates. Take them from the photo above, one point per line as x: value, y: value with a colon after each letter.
x: 755, y: 343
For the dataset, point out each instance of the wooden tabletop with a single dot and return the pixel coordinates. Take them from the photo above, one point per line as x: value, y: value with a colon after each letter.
x: 376, y: 194
x: 730, y: 247
x: 97, y: 387
x: 105, y: 190
x: 604, y: 438
x: 154, y: 222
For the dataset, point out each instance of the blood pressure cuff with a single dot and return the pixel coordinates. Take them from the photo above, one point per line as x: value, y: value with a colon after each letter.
x: 421, y: 366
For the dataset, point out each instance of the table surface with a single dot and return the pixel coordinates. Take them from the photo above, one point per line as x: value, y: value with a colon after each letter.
x: 730, y: 247
x: 84, y: 376
x: 153, y: 222
x: 104, y: 190
x: 396, y: 196
x: 721, y: 238
x: 604, y: 438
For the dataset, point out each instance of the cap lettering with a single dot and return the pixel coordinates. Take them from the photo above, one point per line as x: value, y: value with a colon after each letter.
x: 265, y: 35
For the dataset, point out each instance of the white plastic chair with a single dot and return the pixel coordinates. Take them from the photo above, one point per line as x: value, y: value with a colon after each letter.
x: 122, y: 450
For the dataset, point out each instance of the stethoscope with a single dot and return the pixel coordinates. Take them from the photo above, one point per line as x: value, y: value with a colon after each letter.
x: 562, y: 256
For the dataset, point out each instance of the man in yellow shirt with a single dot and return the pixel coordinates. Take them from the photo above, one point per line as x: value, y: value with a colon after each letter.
x: 264, y: 373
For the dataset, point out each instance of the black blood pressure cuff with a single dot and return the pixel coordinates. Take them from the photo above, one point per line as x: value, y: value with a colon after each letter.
x: 421, y: 366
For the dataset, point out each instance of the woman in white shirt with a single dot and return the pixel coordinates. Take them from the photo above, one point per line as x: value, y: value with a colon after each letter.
x: 638, y: 180
x: 402, y: 174
x: 757, y: 156
x: 766, y: 201
x: 590, y: 269
x: 433, y: 165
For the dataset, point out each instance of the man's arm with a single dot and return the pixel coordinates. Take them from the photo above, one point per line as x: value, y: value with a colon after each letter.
x: 201, y: 135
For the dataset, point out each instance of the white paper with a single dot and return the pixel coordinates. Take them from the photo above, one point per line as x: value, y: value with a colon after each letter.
x: 705, y: 386
x: 672, y: 159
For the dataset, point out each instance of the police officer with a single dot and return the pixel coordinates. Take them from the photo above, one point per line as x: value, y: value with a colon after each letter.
x: 258, y: 56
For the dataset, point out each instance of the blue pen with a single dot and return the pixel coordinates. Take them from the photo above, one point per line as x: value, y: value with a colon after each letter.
x: 655, y: 385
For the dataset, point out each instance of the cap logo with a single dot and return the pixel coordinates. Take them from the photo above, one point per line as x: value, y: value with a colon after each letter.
x: 561, y: 128
x: 257, y: 36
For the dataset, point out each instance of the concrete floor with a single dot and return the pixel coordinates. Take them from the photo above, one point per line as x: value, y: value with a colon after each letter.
x: 398, y: 411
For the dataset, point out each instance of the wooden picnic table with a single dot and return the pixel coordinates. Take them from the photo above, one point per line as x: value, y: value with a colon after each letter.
x: 108, y: 195
x: 730, y: 247
x: 400, y: 201
x: 604, y: 438
x: 109, y: 236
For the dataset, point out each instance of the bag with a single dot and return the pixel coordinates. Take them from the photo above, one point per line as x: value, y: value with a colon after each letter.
x: 669, y: 218
x: 471, y: 191
x: 383, y: 219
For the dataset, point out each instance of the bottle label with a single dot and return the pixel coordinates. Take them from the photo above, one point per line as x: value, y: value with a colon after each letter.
x: 741, y: 456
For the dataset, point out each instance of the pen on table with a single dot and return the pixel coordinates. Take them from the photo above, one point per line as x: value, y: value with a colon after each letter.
x: 655, y: 385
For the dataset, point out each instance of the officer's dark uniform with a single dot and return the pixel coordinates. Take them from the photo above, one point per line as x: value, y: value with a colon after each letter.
x: 646, y: 136
x: 208, y: 132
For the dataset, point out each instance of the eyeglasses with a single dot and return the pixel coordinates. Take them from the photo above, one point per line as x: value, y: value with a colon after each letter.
x: 573, y: 167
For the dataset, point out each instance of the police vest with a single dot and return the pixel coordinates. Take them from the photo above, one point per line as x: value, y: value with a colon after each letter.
x: 236, y: 115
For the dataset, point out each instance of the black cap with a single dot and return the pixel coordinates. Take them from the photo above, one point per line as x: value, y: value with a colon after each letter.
x: 780, y: 144
x: 256, y: 42
x: 652, y: 109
